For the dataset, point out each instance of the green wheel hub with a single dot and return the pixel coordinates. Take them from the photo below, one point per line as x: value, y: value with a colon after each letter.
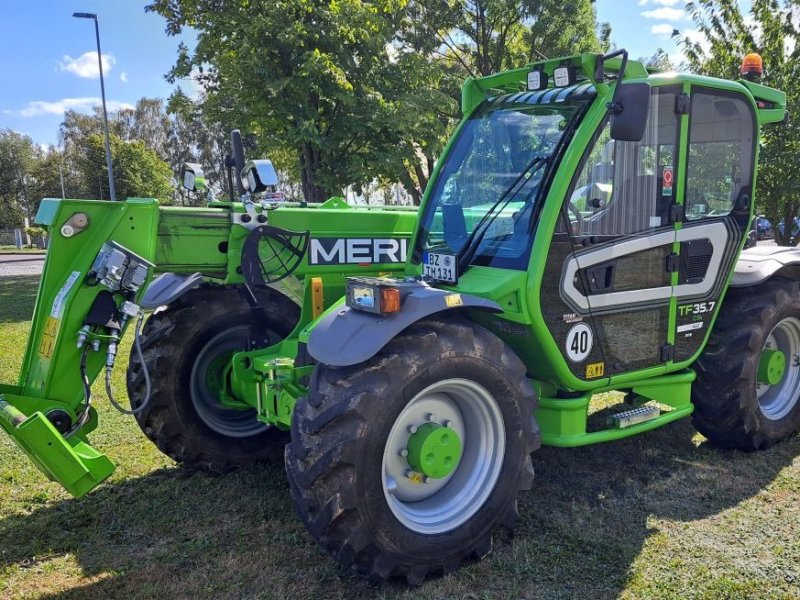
x: 434, y: 450
x: 771, y: 366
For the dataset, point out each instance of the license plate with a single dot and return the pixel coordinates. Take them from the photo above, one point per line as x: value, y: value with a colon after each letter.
x: 441, y: 267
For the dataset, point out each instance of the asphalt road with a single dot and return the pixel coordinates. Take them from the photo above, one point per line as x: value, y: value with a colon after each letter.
x: 21, y: 264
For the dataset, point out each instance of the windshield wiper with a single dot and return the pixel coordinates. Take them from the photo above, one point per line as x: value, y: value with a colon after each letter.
x: 470, y: 247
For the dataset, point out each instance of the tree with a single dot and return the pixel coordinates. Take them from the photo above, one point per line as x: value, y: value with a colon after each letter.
x: 17, y: 155
x: 315, y: 86
x: 138, y: 171
x: 771, y: 29
x: 360, y: 91
x: 659, y: 60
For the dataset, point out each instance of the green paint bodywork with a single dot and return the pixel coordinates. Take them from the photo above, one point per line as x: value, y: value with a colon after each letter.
x: 210, y: 240
x: 434, y: 450
x: 771, y: 366
x: 179, y: 240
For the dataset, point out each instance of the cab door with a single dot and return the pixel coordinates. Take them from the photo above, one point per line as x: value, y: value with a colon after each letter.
x: 607, y: 289
x: 720, y: 161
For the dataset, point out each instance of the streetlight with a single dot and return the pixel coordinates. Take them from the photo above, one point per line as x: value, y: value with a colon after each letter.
x: 80, y: 15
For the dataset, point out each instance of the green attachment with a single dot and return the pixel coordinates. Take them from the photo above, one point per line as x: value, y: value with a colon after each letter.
x: 434, y: 450
x: 771, y: 366
x: 73, y: 463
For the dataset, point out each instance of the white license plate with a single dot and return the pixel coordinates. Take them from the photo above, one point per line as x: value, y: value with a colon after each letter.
x: 441, y: 267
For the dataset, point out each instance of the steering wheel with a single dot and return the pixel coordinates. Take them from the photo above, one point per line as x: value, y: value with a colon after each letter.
x: 578, y: 227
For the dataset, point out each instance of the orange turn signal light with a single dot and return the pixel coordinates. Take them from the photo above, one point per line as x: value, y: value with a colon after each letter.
x: 390, y: 300
x: 752, y: 66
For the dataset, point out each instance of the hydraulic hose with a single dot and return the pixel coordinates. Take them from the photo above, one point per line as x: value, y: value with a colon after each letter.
x: 87, y: 396
x: 137, y: 344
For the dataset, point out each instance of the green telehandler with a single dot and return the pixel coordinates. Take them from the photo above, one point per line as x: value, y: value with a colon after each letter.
x: 582, y: 233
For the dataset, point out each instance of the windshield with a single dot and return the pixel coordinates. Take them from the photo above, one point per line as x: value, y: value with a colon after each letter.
x: 502, y: 152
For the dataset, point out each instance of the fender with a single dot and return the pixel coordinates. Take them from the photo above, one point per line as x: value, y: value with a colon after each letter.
x: 345, y: 337
x: 758, y: 264
x: 167, y: 288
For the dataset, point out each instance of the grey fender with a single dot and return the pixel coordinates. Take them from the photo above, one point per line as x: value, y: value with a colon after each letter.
x: 347, y: 337
x: 758, y: 264
x: 167, y: 288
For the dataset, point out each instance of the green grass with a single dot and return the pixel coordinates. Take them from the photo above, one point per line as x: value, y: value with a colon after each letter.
x: 23, y: 250
x: 662, y: 515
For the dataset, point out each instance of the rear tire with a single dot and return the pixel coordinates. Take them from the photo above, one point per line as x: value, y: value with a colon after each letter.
x: 184, y: 345
x: 343, y: 461
x: 732, y: 408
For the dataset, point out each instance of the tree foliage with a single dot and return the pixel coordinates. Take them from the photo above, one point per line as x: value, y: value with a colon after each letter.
x: 772, y: 29
x: 352, y: 91
x: 138, y: 171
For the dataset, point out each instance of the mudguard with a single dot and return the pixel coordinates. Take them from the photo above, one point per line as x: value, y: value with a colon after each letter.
x: 346, y: 337
x: 167, y: 288
x: 758, y: 264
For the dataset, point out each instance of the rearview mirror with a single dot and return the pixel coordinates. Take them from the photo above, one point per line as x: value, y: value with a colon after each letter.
x: 629, y: 110
x: 258, y: 175
x: 193, y: 177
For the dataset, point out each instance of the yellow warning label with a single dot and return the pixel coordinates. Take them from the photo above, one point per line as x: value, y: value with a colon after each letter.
x: 453, y: 300
x: 595, y: 370
x: 49, y: 334
x: 51, y: 326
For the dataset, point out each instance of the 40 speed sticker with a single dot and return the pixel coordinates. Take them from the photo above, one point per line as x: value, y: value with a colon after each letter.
x: 580, y: 340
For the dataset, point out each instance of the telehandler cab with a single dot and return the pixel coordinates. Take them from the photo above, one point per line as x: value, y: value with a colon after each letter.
x: 582, y: 233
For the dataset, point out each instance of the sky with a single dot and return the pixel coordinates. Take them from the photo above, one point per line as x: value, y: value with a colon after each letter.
x: 49, y: 63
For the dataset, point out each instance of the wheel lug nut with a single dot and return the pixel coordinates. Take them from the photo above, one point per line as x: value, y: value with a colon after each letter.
x: 447, y: 423
x: 412, y: 429
x: 426, y: 479
x: 430, y: 417
x: 404, y: 452
x: 409, y: 474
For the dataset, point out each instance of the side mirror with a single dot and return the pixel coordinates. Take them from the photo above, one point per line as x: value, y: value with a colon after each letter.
x: 258, y: 175
x: 193, y: 177
x: 630, y: 109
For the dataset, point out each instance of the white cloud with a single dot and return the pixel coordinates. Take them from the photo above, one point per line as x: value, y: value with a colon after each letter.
x: 58, y: 107
x: 663, y: 29
x: 194, y: 89
x: 659, y: 2
x: 123, y: 77
x: 86, y: 66
x: 665, y: 14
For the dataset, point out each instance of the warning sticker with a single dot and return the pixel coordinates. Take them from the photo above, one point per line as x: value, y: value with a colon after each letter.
x: 666, y: 181
x: 453, y: 300
x: 57, y: 311
x: 49, y: 334
x: 595, y: 370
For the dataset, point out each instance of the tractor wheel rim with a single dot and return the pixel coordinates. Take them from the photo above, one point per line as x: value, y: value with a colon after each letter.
x: 776, y: 401
x: 431, y: 506
x: 229, y: 422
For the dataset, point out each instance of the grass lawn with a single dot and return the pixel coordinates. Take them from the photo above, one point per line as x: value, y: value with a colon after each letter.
x: 23, y: 250
x: 661, y: 515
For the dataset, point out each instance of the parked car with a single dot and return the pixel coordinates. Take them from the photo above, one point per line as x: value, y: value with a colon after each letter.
x: 764, y: 228
x: 795, y: 229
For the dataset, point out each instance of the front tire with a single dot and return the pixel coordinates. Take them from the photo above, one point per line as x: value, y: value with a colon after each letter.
x: 360, y: 497
x: 747, y: 393
x: 186, y: 347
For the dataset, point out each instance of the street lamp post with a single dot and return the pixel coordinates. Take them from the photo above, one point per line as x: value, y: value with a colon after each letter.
x: 109, y: 164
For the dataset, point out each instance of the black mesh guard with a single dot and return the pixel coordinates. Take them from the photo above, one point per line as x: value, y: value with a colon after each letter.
x: 270, y: 253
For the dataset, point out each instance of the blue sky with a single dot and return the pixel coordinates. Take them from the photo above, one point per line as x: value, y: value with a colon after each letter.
x: 46, y: 67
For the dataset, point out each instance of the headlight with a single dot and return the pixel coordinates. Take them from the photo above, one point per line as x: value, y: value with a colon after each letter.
x: 373, y: 295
